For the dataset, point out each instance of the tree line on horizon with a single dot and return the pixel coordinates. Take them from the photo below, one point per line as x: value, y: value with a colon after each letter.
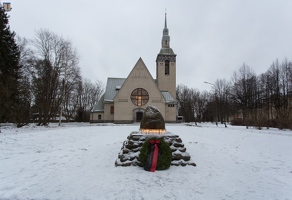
x: 248, y: 99
x: 40, y: 79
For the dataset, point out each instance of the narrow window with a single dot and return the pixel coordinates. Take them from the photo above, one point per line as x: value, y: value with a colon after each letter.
x: 166, y: 67
x: 112, y: 111
x: 99, y: 117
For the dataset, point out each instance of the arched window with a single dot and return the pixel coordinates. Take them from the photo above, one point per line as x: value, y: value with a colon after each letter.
x: 139, y: 97
x: 166, y: 67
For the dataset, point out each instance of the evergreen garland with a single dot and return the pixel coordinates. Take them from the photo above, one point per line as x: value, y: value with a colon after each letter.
x: 165, y: 154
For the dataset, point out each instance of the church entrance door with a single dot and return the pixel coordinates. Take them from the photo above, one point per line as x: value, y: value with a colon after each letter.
x: 139, y: 116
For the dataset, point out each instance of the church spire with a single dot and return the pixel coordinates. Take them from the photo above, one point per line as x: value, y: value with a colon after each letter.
x: 166, y: 65
x: 165, y: 37
x: 165, y: 24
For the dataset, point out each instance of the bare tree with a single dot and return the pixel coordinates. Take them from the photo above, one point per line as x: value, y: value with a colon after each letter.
x: 224, y: 106
x: 201, y: 100
x: 70, y: 76
x: 280, y: 89
x: 88, y: 95
x: 186, y: 108
x: 24, y: 97
x: 243, y: 90
x: 264, y: 103
x: 70, y: 91
x: 55, y: 73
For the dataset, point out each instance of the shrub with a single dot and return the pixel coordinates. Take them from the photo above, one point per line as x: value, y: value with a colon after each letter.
x: 165, y: 154
x: 236, y: 122
x: 260, y: 123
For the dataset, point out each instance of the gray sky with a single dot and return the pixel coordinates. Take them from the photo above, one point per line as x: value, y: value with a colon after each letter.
x: 212, y: 38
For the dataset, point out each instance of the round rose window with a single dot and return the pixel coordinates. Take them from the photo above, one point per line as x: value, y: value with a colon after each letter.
x: 139, y: 97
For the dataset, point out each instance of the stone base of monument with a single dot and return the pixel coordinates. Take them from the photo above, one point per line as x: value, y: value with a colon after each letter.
x: 130, y: 150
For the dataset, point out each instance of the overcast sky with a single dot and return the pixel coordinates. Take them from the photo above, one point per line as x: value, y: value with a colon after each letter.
x: 212, y: 38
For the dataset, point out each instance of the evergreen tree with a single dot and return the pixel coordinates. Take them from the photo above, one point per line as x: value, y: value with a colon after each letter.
x: 9, y: 70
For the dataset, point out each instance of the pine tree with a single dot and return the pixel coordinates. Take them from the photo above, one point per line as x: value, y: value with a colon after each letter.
x: 9, y: 70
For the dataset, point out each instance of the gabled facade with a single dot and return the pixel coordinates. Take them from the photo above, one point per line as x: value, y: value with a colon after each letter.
x: 125, y: 99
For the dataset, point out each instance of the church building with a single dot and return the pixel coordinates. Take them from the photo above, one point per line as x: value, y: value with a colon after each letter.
x: 125, y: 99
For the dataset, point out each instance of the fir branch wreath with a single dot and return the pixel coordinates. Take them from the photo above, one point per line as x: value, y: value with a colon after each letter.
x: 165, y: 154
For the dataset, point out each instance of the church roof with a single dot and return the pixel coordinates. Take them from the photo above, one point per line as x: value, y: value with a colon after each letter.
x: 112, y: 88
x: 168, y: 98
x: 99, y: 107
x: 167, y: 51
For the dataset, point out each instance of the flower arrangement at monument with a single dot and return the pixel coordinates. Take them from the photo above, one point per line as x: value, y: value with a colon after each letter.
x: 164, y: 154
x: 153, y: 147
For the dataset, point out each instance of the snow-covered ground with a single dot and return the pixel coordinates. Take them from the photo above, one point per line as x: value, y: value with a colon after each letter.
x: 76, y: 161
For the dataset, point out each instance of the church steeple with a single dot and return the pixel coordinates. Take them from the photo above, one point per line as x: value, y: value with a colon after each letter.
x: 166, y: 65
x: 165, y: 36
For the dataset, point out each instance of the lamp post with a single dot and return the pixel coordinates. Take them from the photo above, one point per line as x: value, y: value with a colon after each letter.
x: 215, y: 100
x: 62, y: 103
x: 6, y: 6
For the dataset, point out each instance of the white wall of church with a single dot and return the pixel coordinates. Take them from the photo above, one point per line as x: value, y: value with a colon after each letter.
x: 124, y: 111
x: 167, y: 82
x: 108, y: 116
x: 170, y: 113
x: 124, y: 107
x: 94, y: 116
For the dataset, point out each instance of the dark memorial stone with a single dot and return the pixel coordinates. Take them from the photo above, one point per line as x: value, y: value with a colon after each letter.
x: 152, y: 119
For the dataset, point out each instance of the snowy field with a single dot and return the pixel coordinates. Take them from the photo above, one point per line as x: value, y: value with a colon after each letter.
x: 76, y: 161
